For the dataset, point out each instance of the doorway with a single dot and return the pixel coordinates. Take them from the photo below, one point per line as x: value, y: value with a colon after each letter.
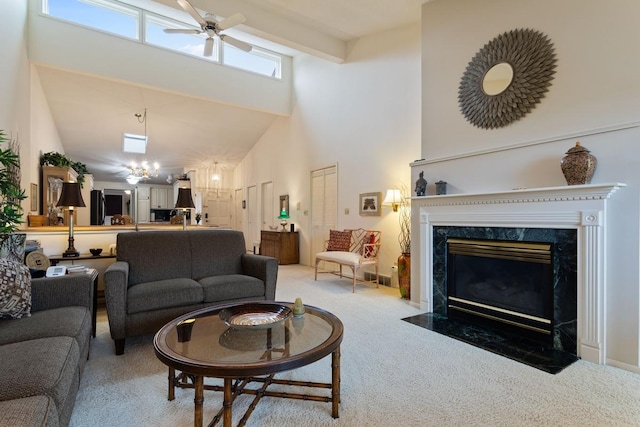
x: 253, y: 235
x: 324, y: 206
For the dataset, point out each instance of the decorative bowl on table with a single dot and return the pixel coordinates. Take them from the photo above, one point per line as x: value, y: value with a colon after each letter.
x: 255, y: 316
x: 95, y: 251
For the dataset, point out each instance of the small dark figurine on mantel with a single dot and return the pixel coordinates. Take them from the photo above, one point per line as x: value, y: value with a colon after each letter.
x: 421, y: 185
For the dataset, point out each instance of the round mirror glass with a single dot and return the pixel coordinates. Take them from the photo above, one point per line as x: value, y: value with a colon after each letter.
x: 497, y: 79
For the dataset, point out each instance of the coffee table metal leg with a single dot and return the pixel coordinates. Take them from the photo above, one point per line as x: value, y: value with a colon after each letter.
x: 227, y: 403
x: 335, y: 382
x: 198, y: 400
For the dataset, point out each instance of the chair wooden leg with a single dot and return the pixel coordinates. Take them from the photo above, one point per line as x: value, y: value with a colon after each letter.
x: 377, y: 277
x: 317, y: 262
x: 353, y: 271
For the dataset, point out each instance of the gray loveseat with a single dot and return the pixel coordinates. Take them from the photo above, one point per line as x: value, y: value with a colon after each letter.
x: 43, y: 355
x: 160, y: 275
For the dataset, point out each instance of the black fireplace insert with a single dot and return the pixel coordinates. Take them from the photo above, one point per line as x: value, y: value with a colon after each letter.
x: 505, y: 283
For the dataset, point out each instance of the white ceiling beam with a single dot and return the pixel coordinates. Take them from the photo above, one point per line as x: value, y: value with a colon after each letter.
x: 274, y: 28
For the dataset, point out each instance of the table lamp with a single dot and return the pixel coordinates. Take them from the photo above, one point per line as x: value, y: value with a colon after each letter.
x: 71, y: 197
x: 284, y: 216
x: 184, y: 202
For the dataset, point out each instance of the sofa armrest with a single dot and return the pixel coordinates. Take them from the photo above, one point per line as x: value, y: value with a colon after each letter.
x: 116, y: 280
x: 264, y: 268
x: 62, y: 291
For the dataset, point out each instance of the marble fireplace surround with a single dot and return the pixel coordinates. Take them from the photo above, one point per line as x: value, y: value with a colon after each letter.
x: 579, y: 207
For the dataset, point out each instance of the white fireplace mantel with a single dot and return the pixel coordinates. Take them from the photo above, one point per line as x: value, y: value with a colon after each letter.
x: 580, y: 207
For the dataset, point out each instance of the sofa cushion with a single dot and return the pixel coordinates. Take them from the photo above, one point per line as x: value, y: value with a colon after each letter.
x: 230, y: 287
x: 155, y: 255
x: 33, y: 411
x: 216, y: 253
x: 74, y: 322
x: 15, y: 289
x: 163, y: 294
x: 46, y: 366
x: 339, y: 240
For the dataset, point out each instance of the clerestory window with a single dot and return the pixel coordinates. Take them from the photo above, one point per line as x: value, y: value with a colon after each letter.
x: 118, y: 18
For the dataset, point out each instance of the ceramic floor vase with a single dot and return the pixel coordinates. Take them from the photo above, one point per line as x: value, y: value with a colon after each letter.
x: 404, y: 275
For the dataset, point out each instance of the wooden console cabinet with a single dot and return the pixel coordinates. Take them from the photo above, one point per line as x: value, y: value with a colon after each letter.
x: 282, y: 245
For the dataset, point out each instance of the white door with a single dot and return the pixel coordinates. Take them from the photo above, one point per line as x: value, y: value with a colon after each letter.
x: 217, y: 208
x: 253, y: 227
x: 237, y: 218
x: 268, y: 212
x: 324, y: 207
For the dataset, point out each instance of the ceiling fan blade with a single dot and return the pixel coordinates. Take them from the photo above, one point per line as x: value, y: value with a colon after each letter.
x: 236, y: 43
x: 208, y: 46
x: 231, y: 21
x: 192, y: 11
x: 181, y: 31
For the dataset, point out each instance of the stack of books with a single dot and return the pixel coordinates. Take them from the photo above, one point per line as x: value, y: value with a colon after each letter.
x: 77, y: 269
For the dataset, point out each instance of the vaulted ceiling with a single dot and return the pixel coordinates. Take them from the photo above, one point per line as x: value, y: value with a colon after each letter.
x: 88, y: 108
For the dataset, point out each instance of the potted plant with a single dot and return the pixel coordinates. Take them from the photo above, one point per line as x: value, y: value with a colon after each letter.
x: 59, y: 160
x: 11, y: 243
x: 198, y: 217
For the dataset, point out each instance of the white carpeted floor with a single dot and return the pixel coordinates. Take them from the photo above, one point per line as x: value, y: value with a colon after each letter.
x: 392, y: 373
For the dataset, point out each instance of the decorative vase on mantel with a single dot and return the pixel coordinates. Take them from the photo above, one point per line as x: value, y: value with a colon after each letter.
x: 404, y: 275
x: 578, y: 165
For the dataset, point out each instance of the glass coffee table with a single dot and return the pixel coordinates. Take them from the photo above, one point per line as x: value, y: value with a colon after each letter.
x: 249, y: 343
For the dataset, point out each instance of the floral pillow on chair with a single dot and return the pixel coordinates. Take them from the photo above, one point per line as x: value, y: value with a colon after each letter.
x: 339, y: 241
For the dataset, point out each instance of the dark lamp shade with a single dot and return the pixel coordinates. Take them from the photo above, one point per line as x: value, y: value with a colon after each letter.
x: 184, y: 199
x: 71, y: 195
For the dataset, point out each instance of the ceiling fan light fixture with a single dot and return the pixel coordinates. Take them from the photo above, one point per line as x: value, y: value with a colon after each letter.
x: 211, y: 27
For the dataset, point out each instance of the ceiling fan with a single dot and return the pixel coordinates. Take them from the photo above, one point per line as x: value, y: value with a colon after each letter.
x: 212, y: 27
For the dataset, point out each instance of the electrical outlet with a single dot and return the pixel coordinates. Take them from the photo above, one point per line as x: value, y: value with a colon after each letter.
x: 298, y: 206
x: 306, y: 212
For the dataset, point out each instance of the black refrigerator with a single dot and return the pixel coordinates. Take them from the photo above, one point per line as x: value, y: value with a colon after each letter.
x: 97, y: 207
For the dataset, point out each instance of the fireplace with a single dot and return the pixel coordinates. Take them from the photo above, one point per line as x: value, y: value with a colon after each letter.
x: 506, y: 284
x: 572, y: 219
x: 543, y: 300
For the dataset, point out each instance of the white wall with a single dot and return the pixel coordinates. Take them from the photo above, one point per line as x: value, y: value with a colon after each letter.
x: 594, y: 99
x: 364, y: 116
x: 14, y: 83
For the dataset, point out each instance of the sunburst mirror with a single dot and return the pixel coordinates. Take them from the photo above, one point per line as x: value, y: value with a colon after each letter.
x: 507, y: 78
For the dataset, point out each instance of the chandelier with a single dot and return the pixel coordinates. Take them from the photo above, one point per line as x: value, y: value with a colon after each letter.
x: 142, y: 172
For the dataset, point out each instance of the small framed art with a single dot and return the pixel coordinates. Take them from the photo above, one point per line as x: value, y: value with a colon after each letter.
x: 370, y: 204
x: 33, y: 197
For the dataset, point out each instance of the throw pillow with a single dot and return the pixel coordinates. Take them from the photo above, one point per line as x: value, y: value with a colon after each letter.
x: 339, y: 240
x: 370, y: 251
x: 15, y: 289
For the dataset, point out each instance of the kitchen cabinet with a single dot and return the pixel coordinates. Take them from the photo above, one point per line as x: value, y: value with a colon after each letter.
x: 283, y: 245
x: 161, y: 198
x: 144, y: 204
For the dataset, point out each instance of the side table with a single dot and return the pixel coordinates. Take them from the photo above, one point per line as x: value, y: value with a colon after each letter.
x: 56, y: 259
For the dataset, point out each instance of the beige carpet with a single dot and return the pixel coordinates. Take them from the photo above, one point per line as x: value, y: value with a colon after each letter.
x: 393, y: 374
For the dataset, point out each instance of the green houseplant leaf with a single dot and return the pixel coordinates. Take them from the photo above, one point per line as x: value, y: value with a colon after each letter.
x: 10, y: 208
x: 60, y: 160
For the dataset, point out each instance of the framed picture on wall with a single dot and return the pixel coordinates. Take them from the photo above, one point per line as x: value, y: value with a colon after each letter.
x: 370, y: 204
